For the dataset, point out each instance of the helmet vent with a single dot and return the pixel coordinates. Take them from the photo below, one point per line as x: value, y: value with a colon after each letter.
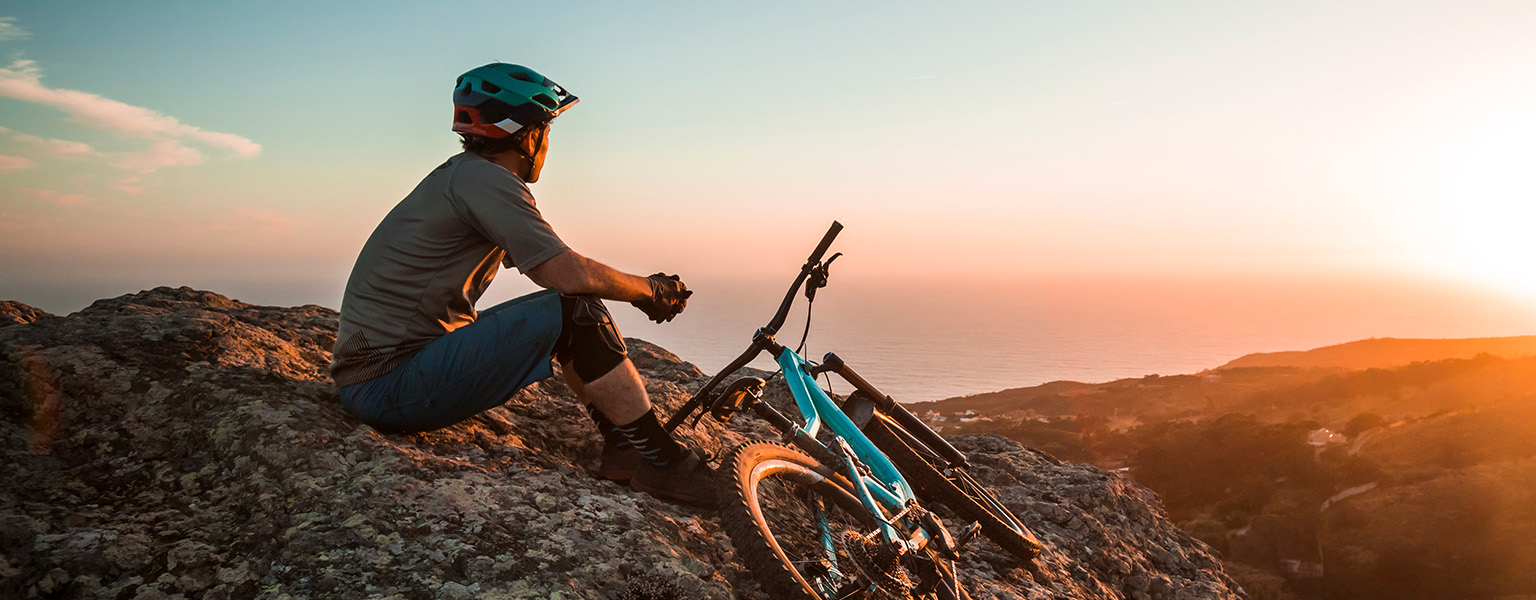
x: 545, y: 100
x: 460, y: 116
x: 490, y: 88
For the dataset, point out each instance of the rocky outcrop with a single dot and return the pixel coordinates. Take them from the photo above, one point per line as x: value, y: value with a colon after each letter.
x: 16, y: 313
x: 176, y: 443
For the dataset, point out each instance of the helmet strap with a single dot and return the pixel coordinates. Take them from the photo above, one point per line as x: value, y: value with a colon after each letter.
x: 543, y: 131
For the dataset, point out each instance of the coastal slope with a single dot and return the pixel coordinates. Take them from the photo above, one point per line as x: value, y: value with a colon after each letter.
x: 177, y: 443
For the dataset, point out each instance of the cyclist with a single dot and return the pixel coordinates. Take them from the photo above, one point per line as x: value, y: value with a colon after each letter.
x: 412, y: 354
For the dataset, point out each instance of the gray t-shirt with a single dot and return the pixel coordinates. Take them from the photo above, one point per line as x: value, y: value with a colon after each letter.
x: 426, y: 264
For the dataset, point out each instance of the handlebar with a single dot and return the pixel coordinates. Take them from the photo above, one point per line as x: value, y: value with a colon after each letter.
x: 762, y: 341
x: 826, y: 242
x: 805, y: 271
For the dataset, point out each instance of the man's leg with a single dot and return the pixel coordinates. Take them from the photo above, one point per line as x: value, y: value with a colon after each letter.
x: 466, y: 371
x: 620, y: 394
x: 593, y: 351
x: 619, y: 458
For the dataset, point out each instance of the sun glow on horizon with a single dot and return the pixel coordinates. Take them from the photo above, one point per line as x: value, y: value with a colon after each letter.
x: 1474, y: 202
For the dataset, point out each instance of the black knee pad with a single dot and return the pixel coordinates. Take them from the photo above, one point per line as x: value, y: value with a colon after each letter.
x: 589, y: 341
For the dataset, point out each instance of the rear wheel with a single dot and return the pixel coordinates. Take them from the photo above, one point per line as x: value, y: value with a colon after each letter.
x: 935, y: 481
x: 797, y: 531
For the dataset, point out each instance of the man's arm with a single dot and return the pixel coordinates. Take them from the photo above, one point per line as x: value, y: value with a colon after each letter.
x: 573, y: 274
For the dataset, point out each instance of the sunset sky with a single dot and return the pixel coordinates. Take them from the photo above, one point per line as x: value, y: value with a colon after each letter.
x: 250, y: 148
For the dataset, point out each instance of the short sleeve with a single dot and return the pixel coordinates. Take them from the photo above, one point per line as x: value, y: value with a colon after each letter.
x: 499, y: 205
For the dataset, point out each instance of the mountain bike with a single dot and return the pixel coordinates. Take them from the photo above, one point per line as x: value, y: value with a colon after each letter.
x: 839, y: 512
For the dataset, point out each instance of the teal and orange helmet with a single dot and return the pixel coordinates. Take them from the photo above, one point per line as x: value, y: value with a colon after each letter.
x: 498, y: 99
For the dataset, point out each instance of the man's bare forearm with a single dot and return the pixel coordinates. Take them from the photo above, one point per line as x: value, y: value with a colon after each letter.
x: 573, y: 274
x: 612, y: 284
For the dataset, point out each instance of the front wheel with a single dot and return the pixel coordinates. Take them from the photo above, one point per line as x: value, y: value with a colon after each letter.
x: 797, y: 530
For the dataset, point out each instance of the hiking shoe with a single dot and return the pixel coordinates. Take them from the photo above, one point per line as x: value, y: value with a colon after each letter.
x: 690, y: 480
x: 618, y: 464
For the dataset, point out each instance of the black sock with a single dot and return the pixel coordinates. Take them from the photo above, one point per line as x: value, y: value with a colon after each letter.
x: 612, y: 437
x: 652, y: 440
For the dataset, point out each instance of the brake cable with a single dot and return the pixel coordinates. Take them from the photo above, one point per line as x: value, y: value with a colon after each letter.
x: 817, y: 280
x: 807, y: 333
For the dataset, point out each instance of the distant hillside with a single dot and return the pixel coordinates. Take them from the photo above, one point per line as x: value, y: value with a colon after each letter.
x: 1451, y: 515
x: 1276, y: 386
x: 1381, y: 353
x: 1421, y: 490
x: 1050, y: 398
x: 1271, y: 394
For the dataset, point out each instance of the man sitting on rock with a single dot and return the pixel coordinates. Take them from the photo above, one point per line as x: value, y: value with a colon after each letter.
x: 413, y: 355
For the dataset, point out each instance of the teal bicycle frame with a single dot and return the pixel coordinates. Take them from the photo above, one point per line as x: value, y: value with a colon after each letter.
x: 876, y: 482
x: 884, y: 491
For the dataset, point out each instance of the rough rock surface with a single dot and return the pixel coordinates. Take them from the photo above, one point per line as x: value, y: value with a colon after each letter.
x: 176, y: 443
x: 16, y: 313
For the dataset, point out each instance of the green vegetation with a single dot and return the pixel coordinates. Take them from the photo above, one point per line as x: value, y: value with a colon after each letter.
x: 1233, y: 464
x: 1465, y: 534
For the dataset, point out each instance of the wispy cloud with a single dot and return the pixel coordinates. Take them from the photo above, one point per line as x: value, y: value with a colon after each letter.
x: 164, y: 153
x: 15, y: 163
x: 171, y: 140
x: 10, y: 31
x: 55, y: 147
x: 60, y: 198
x: 22, y: 80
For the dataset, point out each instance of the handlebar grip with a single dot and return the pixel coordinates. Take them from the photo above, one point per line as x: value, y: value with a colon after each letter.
x: 826, y: 242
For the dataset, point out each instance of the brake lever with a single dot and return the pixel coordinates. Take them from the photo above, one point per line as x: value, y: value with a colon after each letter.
x: 818, y: 277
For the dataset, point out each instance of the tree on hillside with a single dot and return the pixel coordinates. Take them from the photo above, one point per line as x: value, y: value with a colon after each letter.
x: 1233, y: 461
x: 1363, y: 422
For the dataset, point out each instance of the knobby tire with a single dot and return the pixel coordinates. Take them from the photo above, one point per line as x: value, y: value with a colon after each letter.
x: 764, y: 509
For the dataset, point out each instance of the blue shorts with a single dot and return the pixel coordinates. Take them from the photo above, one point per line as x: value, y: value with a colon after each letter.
x: 469, y: 370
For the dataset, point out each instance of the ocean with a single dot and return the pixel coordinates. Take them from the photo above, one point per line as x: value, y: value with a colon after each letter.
x: 930, y: 342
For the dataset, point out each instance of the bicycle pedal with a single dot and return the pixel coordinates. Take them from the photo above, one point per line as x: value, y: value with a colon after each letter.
x: 967, y: 534
x: 737, y: 397
x: 939, y: 536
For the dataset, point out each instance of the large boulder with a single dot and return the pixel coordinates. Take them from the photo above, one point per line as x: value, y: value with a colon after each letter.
x: 177, y: 443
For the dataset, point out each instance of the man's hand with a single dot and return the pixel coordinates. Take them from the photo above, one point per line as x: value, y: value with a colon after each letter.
x: 668, y: 297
